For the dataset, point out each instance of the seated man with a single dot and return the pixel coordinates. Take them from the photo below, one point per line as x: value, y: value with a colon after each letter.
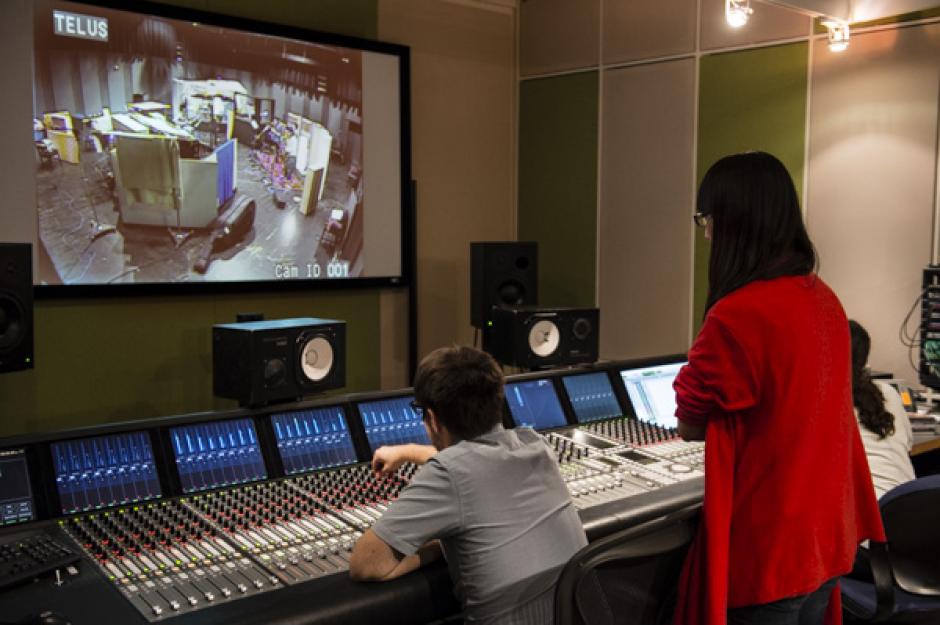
x: 492, y: 499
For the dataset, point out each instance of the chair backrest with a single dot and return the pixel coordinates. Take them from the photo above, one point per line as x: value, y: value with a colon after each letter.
x: 911, y: 516
x: 634, y: 571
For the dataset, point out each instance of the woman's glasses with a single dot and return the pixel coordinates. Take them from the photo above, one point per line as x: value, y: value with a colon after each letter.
x: 701, y: 219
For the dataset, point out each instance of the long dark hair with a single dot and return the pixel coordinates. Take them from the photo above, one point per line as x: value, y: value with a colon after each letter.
x: 868, y: 398
x: 757, y: 226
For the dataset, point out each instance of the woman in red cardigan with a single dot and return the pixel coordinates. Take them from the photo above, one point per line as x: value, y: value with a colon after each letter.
x: 788, y: 495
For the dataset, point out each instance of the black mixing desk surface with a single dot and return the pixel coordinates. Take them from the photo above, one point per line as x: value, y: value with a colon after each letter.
x: 249, y: 517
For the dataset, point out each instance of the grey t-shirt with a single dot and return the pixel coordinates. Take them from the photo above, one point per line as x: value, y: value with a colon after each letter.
x: 505, y: 520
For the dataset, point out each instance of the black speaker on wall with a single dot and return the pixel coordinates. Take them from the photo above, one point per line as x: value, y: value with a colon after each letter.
x: 263, y: 362
x: 502, y: 274
x: 16, y: 307
x: 538, y: 338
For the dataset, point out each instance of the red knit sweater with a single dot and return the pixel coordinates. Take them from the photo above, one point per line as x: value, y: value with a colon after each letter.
x: 788, y: 494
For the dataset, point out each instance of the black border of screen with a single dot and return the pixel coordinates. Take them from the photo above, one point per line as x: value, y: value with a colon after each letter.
x: 406, y: 279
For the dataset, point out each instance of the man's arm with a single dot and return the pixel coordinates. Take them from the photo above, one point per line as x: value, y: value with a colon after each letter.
x: 374, y: 561
x: 388, y: 459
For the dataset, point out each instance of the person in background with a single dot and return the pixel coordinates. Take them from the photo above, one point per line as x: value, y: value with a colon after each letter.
x: 492, y: 499
x: 885, y: 428
x: 788, y: 496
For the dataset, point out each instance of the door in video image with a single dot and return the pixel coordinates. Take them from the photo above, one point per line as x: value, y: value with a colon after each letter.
x: 175, y: 151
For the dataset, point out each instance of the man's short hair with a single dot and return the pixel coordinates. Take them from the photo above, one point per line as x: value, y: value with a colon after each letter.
x: 464, y: 388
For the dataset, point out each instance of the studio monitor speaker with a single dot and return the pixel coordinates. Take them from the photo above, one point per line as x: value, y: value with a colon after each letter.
x: 535, y: 338
x: 502, y: 274
x: 16, y: 307
x: 262, y: 362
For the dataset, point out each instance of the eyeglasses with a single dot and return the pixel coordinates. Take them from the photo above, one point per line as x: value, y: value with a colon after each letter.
x: 419, y: 409
x: 701, y: 219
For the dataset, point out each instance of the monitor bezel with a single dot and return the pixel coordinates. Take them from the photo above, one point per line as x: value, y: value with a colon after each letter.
x: 406, y: 279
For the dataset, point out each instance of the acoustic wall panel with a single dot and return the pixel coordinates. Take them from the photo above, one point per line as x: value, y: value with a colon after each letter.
x: 643, y: 30
x: 644, y: 263
x: 558, y: 35
x: 872, y: 169
x: 558, y: 184
x: 749, y: 100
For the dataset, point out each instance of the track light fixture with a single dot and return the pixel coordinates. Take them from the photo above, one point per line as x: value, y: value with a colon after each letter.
x: 737, y: 12
x: 838, y: 35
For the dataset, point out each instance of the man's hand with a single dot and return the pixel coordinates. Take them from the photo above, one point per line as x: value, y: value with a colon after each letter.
x: 387, y: 460
x: 374, y: 561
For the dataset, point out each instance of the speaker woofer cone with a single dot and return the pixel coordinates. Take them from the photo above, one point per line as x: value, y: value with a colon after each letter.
x: 316, y: 359
x: 544, y: 338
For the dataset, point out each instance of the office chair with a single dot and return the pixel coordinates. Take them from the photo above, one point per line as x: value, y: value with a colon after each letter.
x: 632, y: 573
x: 905, y: 569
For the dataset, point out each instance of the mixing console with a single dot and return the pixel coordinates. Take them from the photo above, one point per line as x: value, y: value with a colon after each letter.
x: 165, y: 558
x: 656, y: 439
x: 185, y: 515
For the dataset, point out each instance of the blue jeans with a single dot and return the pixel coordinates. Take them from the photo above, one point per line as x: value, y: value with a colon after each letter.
x: 803, y: 610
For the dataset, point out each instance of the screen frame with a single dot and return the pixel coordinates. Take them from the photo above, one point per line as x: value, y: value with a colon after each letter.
x: 620, y: 389
x: 273, y: 285
x: 554, y: 379
x: 569, y: 404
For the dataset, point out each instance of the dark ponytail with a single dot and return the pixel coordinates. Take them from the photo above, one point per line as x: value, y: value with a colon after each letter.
x: 868, y: 399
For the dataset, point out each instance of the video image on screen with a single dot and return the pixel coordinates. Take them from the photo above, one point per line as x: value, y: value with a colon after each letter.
x: 172, y: 151
x: 592, y: 397
x: 212, y: 455
x: 392, y: 422
x: 534, y: 404
x: 313, y: 439
x: 16, y: 495
x: 651, y: 393
x: 93, y: 473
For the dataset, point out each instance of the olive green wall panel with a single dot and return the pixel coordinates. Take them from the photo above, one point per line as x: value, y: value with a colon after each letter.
x: 133, y: 358
x: 558, y: 184
x: 749, y: 100
x: 109, y: 359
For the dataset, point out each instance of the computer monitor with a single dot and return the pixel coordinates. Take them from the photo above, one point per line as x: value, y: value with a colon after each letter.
x: 592, y: 397
x: 392, y: 421
x: 314, y: 438
x: 651, y: 394
x: 16, y: 495
x: 104, y: 471
x: 216, y: 454
x: 535, y: 404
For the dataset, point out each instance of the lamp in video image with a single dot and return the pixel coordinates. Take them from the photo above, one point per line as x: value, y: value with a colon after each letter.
x: 174, y: 151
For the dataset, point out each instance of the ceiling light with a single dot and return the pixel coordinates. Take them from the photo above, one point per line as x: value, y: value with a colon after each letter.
x: 838, y: 35
x: 737, y: 12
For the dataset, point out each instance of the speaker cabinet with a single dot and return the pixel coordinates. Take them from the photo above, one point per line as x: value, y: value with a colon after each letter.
x: 502, y: 274
x: 536, y: 338
x: 263, y: 362
x: 16, y: 307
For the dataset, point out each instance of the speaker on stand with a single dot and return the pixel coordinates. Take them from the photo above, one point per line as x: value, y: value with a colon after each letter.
x: 540, y: 338
x: 263, y: 362
x: 16, y: 307
x: 502, y: 274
